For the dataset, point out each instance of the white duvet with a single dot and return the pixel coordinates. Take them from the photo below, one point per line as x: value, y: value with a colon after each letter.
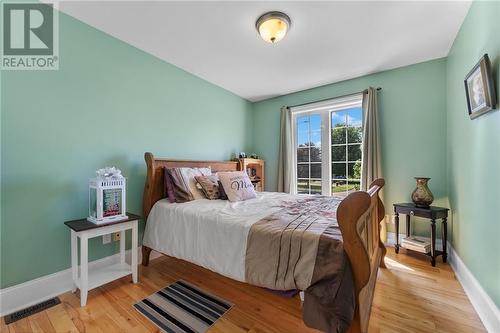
x: 209, y: 233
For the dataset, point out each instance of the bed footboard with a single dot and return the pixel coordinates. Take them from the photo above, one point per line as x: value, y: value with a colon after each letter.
x: 359, y: 216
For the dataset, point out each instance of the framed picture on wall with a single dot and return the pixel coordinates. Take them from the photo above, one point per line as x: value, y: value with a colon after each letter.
x: 480, y: 89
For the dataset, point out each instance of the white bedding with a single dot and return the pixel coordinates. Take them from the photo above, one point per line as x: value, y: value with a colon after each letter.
x: 209, y: 233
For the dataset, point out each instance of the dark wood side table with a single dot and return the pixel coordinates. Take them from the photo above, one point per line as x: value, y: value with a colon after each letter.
x: 432, y: 213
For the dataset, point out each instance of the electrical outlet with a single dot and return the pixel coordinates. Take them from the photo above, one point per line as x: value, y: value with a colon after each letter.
x: 116, y: 236
x: 106, y: 239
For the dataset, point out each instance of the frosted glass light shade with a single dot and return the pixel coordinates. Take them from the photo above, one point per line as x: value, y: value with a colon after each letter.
x: 273, y: 26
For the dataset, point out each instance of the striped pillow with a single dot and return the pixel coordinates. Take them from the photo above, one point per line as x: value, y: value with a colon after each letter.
x: 185, y: 184
x: 168, y: 186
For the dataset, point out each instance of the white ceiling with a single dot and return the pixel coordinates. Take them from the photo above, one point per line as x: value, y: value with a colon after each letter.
x: 328, y: 41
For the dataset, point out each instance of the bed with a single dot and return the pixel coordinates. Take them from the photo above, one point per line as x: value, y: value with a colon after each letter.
x: 234, y: 238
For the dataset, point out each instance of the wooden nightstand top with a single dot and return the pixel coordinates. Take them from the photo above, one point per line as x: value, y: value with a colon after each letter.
x: 430, y: 212
x: 413, y: 206
x: 84, y: 224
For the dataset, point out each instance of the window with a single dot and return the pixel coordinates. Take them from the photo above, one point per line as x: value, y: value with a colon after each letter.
x: 309, y: 154
x: 347, y: 134
x: 328, y: 138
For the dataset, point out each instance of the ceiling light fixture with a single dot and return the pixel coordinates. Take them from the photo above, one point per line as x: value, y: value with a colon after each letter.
x: 273, y: 26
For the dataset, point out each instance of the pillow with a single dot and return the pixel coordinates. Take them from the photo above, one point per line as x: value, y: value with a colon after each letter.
x: 237, y: 185
x: 209, y: 186
x: 168, y: 186
x: 185, y: 184
x: 222, y: 193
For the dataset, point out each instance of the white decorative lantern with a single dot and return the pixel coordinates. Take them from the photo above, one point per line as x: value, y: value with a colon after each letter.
x: 107, y: 196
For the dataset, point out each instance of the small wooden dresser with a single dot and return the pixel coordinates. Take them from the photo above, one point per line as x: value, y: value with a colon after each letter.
x: 256, y: 172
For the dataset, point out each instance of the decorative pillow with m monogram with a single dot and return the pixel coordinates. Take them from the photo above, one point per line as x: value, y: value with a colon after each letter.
x: 237, y: 185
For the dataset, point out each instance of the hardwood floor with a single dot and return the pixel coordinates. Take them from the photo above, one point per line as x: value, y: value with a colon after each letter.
x: 410, y: 296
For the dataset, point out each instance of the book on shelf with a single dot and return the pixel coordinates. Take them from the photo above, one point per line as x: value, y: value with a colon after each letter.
x: 416, y: 241
x: 416, y: 244
x: 415, y: 248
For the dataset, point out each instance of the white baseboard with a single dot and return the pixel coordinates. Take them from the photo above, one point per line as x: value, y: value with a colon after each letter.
x: 38, y: 290
x: 486, y: 309
x: 481, y: 301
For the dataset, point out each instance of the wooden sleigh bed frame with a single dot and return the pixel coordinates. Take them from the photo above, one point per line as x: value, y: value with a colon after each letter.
x: 358, y: 215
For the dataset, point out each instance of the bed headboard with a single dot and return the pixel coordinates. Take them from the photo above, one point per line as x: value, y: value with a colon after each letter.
x: 153, y: 188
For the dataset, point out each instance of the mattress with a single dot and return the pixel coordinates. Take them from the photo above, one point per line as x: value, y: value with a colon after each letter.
x: 209, y: 233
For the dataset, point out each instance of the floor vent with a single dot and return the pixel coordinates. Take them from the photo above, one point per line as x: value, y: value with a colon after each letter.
x: 31, y: 310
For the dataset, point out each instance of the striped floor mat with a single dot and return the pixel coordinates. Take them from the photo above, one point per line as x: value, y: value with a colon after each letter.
x: 181, y: 307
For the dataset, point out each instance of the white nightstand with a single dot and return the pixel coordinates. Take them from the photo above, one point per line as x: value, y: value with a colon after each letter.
x: 86, y: 280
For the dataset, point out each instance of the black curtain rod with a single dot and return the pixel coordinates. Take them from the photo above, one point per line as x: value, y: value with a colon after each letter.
x: 327, y: 99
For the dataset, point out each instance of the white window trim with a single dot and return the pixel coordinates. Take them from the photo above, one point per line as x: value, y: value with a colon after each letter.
x: 319, y: 108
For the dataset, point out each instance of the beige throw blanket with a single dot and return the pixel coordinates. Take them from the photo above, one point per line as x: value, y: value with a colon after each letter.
x: 300, y: 247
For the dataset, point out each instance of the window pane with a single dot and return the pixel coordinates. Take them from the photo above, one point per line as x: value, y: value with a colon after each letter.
x: 303, y: 186
x: 303, y: 135
x: 338, y: 135
x: 315, y: 122
x: 315, y: 139
x: 302, y: 154
x: 339, y: 119
x: 339, y: 188
x: 338, y: 153
x: 316, y: 153
x: 354, y: 117
x: 303, y: 139
x: 315, y: 186
x: 354, y: 185
x: 354, y: 152
x: 303, y: 124
x: 339, y: 171
x: 354, y: 135
x: 316, y: 170
x: 303, y: 170
x: 354, y: 170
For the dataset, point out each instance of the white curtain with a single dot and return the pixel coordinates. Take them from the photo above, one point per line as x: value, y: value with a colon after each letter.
x: 371, y: 167
x: 286, y: 161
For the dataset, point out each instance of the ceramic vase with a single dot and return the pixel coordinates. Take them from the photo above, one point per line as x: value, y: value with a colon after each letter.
x: 422, y: 196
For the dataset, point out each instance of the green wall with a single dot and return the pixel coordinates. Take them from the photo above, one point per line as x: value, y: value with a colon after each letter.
x: 473, y: 151
x: 109, y: 103
x: 413, y: 127
x: 106, y: 105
